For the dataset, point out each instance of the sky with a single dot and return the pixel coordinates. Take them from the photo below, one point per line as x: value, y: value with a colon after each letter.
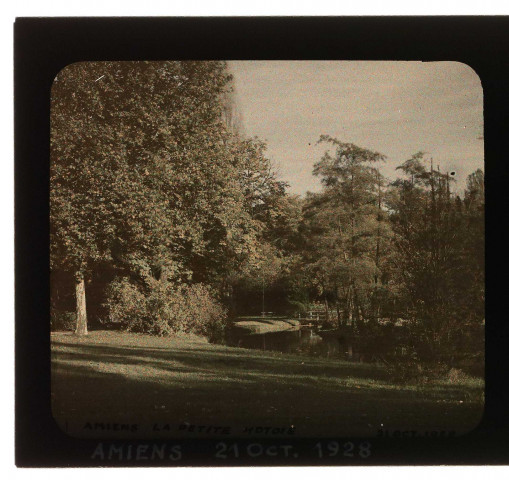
x: 395, y: 108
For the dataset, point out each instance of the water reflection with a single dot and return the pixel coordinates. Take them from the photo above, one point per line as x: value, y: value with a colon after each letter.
x: 292, y: 340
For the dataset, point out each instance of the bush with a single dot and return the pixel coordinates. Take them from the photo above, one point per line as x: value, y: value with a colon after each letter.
x: 62, y: 321
x: 166, y: 309
x: 456, y: 376
x: 406, y: 371
x: 296, y: 308
x: 413, y: 371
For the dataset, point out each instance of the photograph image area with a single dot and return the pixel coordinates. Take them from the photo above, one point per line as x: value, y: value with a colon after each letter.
x: 267, y: 248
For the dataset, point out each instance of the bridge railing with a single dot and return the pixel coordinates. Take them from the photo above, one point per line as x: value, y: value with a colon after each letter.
x: 314, y: 317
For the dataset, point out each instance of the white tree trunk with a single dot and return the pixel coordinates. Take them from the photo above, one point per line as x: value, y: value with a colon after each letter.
x: 81, y: 308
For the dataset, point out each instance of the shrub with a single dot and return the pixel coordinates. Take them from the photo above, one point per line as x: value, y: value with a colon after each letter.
x: 65, y: 321
x: 128, y: 306
x: 295, y: 308
x: 413, y: 371
x: 166, y: 308
x: 406, y: 371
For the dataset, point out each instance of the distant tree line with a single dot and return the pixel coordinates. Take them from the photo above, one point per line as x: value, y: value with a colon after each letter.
x: 166, y: 218
x: 402, y: 251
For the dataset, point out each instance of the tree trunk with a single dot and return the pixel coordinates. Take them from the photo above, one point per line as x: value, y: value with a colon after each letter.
x: 81, y: 308
x: 350, y: 305
x: 338, y: 311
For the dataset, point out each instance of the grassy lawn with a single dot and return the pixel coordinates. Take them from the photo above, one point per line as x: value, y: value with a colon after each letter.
x: 113, y: 377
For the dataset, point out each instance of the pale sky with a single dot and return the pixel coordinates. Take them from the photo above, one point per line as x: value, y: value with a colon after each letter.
x: 395, y: 108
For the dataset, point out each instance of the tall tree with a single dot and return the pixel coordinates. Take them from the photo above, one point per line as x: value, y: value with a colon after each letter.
x: 275, y: 217
x: 348, y: 227
x: 473, y: 248
x: 143, y: 173
x: 437, y: 249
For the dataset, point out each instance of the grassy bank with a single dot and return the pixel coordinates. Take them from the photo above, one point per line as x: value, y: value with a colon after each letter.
x: 113, y: 377
x: 249, y: 325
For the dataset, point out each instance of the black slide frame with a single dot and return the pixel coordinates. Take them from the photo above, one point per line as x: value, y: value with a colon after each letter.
x: 43, y: 46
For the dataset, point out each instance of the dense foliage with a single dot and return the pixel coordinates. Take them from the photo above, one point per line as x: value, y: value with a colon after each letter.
x: 167, y: 308
x: 147, y: 180
x: 405, y: 253
x: 348, y: 233
x: 172, y: 220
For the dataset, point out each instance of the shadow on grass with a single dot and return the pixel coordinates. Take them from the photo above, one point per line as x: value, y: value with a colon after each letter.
x: 212, y: 383
x: 223, y: 360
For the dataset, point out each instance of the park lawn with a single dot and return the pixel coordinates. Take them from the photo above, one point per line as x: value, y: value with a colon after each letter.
x: 116, y: 377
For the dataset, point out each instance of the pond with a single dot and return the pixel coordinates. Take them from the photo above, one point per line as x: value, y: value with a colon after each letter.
x: 282, y: 335
x: 290, y: 336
